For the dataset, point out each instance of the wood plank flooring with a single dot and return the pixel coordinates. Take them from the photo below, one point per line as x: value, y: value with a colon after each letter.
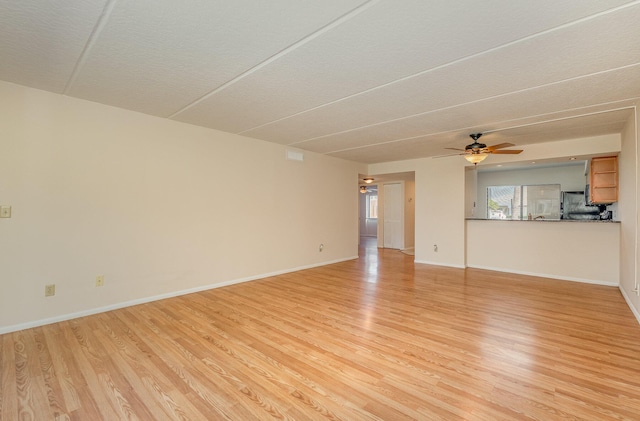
x: 377, y: 338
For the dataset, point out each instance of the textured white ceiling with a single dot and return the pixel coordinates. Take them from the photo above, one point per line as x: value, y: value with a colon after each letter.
x: 369, y: 81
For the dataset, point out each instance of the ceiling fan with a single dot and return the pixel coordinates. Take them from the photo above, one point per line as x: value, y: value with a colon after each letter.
x: 477, y: 152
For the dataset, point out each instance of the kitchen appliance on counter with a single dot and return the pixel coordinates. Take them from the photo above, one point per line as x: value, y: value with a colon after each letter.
x: 575, y: 207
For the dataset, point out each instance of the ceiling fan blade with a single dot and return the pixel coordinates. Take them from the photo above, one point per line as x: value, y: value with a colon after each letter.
x: 507, y: 151
x: 451, y: 154
x: 456, y: 149
x: 500, y: 146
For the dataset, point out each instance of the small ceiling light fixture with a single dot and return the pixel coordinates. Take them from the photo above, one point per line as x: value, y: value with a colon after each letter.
x: 368, y: 180
x: 474, y: 158
x: 363, y: 189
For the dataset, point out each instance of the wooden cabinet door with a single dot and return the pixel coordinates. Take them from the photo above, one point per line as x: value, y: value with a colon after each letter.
x: 604, y: 179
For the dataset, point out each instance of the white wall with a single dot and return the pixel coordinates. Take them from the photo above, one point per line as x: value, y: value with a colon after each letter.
x: 157, y: 207
x: 471, y: 194
x: 629, y: 190
x: 409, y: 213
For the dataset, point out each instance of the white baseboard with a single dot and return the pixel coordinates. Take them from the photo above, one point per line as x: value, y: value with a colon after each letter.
x: 630, y: 304
x: 547, y: 275
x: 89, y: 312
x: 424, y: 262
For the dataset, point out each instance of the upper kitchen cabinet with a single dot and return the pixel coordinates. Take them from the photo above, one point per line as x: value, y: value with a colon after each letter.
x: 604, y: 180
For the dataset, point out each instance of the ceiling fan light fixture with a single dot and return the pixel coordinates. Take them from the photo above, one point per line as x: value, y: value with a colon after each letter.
x: 363, y: 189
x: 478, y: 152
x: 474, y: 158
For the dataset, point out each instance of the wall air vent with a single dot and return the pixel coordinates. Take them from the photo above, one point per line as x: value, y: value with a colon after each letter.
x: 295, y: 156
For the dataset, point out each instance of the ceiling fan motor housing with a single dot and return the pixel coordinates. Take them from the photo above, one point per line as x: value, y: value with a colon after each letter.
x: 475, y: 146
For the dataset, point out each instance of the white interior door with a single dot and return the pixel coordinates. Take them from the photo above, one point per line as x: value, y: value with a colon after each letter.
x: 393, y: 216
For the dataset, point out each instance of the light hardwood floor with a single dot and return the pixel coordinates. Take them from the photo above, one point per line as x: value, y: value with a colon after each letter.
x: 373, y: 338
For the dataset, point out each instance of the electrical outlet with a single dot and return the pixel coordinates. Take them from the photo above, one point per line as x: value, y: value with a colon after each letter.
x: 435, y: 248
x: 50, y: 290
x: 5, y: 211
x: 321, y: 247
x: 99, y: 281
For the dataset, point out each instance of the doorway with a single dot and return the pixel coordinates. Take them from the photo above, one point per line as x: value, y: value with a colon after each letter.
x: 393, y: 225
x: 369, y: 212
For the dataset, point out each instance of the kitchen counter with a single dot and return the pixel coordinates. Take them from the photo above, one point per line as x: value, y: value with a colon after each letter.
x: 587, y: 251
x: 590, y: 221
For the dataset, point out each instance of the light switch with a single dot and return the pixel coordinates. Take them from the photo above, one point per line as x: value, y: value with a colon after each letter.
x: 5, y: 211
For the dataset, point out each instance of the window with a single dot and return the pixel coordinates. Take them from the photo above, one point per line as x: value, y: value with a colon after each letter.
x: 503, y: 202
x: 543, y: 201
x: 372, y: 206
x: 518, y: 202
